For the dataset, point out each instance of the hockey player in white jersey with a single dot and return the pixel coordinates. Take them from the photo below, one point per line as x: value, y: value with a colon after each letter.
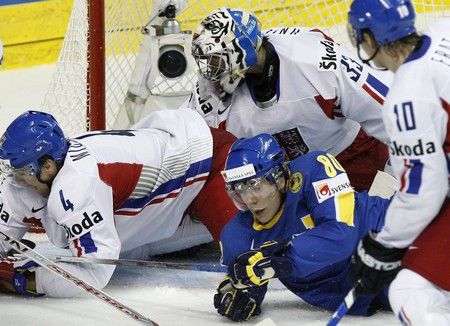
x: 295, y: 83
x: 416, y: 114
x: 110, y: 192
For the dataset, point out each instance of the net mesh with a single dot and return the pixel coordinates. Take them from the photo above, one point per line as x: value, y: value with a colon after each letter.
x: 67, y: 95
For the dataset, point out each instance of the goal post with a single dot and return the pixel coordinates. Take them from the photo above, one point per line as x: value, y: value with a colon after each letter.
x: 104, y: 37
x: 95, y: 104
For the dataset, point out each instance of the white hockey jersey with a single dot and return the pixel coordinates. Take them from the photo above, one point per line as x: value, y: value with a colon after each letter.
x: 320, y: 86
x: 416, y: 115
x: 120, y: 189
x: 22, y: 207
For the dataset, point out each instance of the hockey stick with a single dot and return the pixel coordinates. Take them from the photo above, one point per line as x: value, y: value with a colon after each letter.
x: 51, y: 266
x: 345, y: 306
x: 145, y: 263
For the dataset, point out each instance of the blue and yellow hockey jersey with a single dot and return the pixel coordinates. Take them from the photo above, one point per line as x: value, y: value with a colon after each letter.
x: 324, y: 218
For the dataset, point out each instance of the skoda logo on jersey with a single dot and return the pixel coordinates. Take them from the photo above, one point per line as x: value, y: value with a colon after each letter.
x: 416, y: 149
x: 327, y: 56
x: 77, y: 229
x: 4, y: 215
x: 295, y: 182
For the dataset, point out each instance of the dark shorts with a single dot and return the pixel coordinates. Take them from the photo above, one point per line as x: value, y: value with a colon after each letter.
x: 362, y: 159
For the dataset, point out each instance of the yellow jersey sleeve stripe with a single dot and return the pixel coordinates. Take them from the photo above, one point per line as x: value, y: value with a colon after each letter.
x: 345, y: 208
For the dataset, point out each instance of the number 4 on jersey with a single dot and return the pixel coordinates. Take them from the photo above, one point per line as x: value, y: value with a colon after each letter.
x: 67, y: 204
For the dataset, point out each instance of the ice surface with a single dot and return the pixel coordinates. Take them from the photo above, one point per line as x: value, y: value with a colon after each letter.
x: 170, y: 297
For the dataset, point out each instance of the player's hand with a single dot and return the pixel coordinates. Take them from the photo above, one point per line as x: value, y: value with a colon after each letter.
x: 238, y: 304
x: 17, y: 276
x: 256, y: 267
x: 13, y: 252
x: 374, y: 265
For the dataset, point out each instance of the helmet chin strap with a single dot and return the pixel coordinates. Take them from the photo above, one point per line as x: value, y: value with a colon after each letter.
x: 367, y: 61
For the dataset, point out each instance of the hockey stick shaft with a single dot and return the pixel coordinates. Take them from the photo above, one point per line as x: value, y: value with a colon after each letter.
x: 51, y: 266
x: 348, y: 302
x: 131, y: 262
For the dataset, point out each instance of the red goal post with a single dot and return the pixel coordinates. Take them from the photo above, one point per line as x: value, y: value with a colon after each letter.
x: 103, y: 39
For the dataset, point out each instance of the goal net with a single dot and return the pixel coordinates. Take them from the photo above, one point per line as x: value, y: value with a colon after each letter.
x: 86, y: 69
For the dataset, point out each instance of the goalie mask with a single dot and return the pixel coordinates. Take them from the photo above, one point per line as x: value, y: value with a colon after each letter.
x: 29, y: 137
x: 250, y: 162
x: 225, y: 46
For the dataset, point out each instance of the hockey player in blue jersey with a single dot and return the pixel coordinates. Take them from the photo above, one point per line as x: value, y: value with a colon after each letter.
x: 299, y: 222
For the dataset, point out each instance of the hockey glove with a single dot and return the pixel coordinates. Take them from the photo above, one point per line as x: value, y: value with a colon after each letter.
x: 374, y: 265
x: 27, y: 242
x: 256, y: 267
x: 17, y: 275
x: 238, y: 304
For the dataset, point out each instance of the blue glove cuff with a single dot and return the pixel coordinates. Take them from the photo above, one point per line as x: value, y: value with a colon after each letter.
x: 20, y: 284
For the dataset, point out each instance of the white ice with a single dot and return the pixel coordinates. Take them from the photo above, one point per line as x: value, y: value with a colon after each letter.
x: 169, y: 297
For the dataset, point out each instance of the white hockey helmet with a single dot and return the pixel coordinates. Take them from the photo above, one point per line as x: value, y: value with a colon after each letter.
x: 225, y: 46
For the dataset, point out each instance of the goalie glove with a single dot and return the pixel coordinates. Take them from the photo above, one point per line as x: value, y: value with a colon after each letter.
x: 256, y: 267
x: 238, y: 304
x: 374, y: 265
x: 17, y: 275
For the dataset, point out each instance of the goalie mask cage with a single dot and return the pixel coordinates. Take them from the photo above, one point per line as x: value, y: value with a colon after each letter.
x: 103, y: 39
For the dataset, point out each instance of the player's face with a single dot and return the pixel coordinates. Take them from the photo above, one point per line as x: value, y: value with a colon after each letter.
x: 32, y: 181
x: 263, y: 200
x: 211, y: 66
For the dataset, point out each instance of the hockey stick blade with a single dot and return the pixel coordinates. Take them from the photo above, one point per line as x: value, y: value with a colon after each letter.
x: 344, y: 306
x: 145, y: 263
x: 51, y: 266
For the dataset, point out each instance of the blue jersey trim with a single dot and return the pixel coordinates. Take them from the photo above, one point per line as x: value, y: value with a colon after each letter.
x: 194, y: 170
x: 420, y: 52
x: 415, y: 177
x: 87, y: 243
x: 377, y: 85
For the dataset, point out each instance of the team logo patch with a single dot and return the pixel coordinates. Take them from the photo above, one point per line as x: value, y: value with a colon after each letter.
x: 295, y: 182
x: 328, y: 188
x: 292, y: 143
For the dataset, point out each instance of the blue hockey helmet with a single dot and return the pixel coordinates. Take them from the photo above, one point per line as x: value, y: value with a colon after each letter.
x: 249, y: 161
x: 388, y: 20
x: 226, y: 41
x: 30, y: 136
